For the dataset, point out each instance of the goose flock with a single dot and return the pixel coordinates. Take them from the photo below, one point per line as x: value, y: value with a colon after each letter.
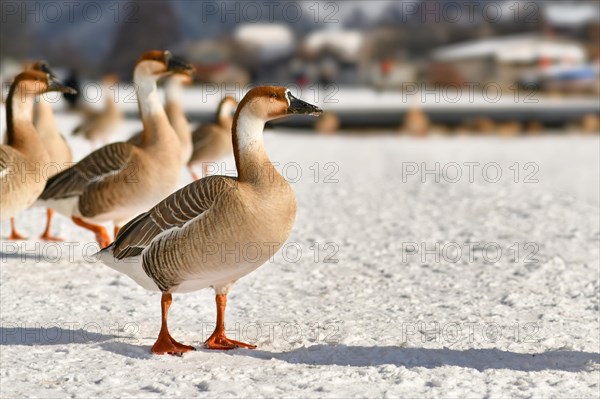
x: 164, y: 239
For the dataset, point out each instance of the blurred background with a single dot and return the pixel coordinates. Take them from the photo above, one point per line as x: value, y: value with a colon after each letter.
x: 418, y: 67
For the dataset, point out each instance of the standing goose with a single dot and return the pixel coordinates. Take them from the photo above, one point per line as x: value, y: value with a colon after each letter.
x: 57, y: 147
x: 174, y: 109
x: 213, y: 142
x: 99, y: 126
x: 24, y: 158
x: 120, y: 180
x: 182, y: 243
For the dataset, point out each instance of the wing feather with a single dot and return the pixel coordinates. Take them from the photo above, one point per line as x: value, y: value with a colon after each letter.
x: 101, y: 163
x: 173, y: 212
x: 7, y: 157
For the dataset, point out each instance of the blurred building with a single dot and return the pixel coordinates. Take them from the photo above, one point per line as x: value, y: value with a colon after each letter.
x: 506, y: 60
x: 379, y: 44
x: 264, y: 50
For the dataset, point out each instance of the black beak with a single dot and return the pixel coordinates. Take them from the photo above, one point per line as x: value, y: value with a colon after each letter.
x: 298, y: 106
x: 55, y: 85
x: 178, y: 65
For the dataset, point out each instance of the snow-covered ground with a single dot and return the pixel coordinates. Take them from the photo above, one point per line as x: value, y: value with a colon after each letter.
x: 361, y: 301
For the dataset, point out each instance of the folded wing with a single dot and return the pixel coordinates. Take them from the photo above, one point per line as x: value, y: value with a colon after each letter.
x: 173, y: 212
x: 97, y: 166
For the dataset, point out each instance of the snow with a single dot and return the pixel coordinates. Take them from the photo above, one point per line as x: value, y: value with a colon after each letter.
x: 358, y: 312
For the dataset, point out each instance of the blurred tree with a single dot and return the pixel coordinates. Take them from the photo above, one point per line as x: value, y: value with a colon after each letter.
x: 153, y: 25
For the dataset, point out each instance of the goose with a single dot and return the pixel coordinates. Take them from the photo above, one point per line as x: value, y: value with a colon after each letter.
x: 178, y: 245
x: 120, y: 180
x: 24, y: 157
x: 174, y: 109
x: 58, y: 150
x: 213, y: 142
x: 99, y: 126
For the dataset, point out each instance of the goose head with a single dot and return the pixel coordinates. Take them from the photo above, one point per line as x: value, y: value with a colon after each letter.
x: 43, y: 66
x: 35, y: 82
x: 158, y: 64
x: 259, y: 105
x: 273, y: 102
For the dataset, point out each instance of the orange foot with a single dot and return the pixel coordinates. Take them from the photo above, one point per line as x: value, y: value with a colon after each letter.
x: 168, y: 345
x: 15, y: 236
x: 220, y: 341
x: 103, y: 240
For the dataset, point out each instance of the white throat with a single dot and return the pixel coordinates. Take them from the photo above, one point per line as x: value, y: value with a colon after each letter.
x: 43, y: 117
x: 173, y: 91
x: 249, y: 131
x: 227, y: 109
x: 22, y: 105
x: 147, y: 94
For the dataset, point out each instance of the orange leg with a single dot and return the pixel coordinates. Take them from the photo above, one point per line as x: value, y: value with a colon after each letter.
x: 165, y: 343
x: 46, y: 235
x: 116, y: 231
x: 101, y: 234
x: 14, y: 234
x: 218, y: 340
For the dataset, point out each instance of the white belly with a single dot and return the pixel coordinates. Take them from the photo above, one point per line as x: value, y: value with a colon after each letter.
x: 65, y: 206
x: 131, y: 267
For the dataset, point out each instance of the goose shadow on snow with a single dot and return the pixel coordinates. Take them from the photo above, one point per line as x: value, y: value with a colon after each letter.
x: 478, y: 359
x: 327, y: 355
x: 364, y: 356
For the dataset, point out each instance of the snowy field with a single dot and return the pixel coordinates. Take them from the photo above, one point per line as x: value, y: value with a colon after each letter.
x: 361, y: 302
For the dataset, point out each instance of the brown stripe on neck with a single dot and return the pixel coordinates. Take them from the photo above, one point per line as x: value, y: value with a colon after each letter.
x: 10, y: 123
x: 219, y: 110
x: 234, y: 137
x: 29, y: 75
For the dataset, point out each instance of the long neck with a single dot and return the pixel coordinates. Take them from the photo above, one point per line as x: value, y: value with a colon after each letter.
x: 110, y: 102
x: 224, y: 118
x: 248, y: 147
x: 174, y: 110
x: 43, y: 118
x: 154, y: 117
x: 20, y: 131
